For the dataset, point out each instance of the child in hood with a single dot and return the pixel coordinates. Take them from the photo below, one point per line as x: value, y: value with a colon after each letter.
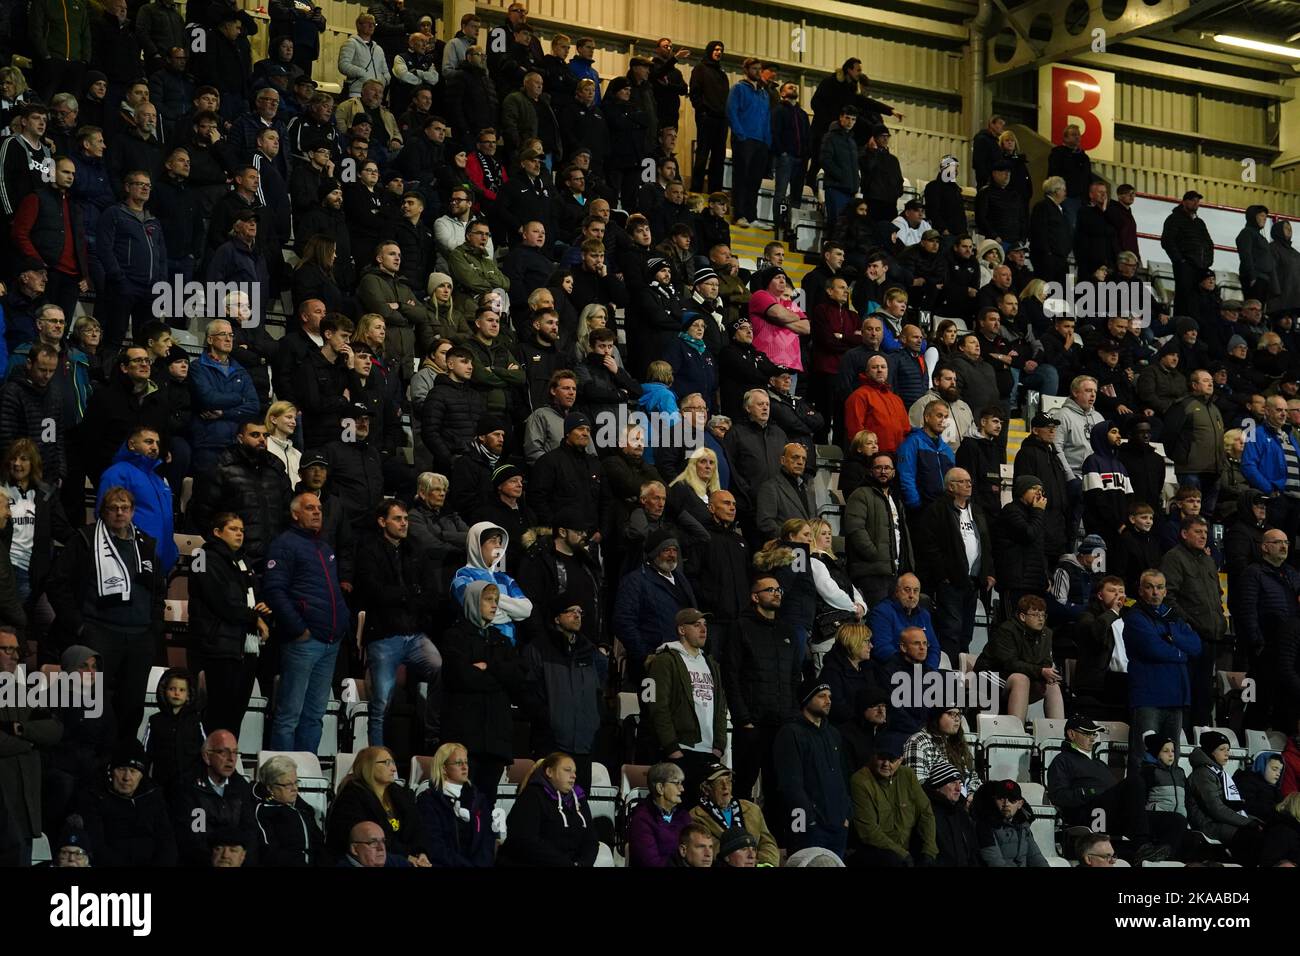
x: 1259, y: 785
x: 1166, y: 792
x: 486, y: 546
x: 1106, y: 485
x: 174, y: 739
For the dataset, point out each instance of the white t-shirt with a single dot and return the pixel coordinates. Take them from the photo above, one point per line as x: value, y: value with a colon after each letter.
x: 898, y: 532
x: 1119, y: 656
x: 970, y: 537
x: 22, y: 509
x: 703, y: 696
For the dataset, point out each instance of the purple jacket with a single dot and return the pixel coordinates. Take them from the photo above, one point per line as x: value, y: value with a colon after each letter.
x: 651, y: 840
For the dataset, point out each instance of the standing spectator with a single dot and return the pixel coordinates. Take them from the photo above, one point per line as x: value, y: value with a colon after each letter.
x: 250, y: 481
x: 1050, y: 233
x: 48, y: 227
x: 943, y: 202
x: 874, y: 406
x: 955, y: 559
x: 877, y: 533
x: 61, y: 45
x: 135, y: 469
x: 1186, y: 240
x: 749, y: 115
x: 1192, y: 576
x: 566, y: 673
x: 709, y: 93
x: 1193, y: 437
x: 924, y: 457
x: 882, y: 178
x: 791, y: 149
x: 1258, y: 269
x: 132, y: 248
x: 1160, y: 644
x: 668, y: 82
x: 649, y: 600
x: 362, y: 59
x: 311, y: 618
x: 1073, y: 165
x: 810, y: 782
x: 223, y: 396
x: 31, y: 408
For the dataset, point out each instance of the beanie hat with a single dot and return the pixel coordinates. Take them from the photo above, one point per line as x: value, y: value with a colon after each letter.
x: 1023, y: 484
x: 1212, y: 740
x: 575, y: 420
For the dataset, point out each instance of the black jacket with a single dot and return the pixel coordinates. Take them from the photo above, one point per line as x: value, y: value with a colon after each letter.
x: 449, y: 418
x: 811, y: 777
x: 569, y: 476
x: 1095, y: 242
x: 566, y: 684
x: 1018, y: 547
x: 356, y: 477
x: 983, y: 458
x: 128, y: 831
x: 476, y: 703
x: 24, y: 412
x: 220, y: 617
x: 954, y: 832
x: 1049, y: 241
x: 740, y: 368
x: 761, y: 671
x: 221, y: 812
x: 940, y: 553
x: 545, y: 830
x: 71, y: 587
x: 451, y: 841
x: 1000, y: 212
x: 357, y: 803
x: 721, y: 577
x: 254, y: 485
x: 1040, y: 459
x: 318, y: 387
x: 393, y: 585
x: 287, y: 834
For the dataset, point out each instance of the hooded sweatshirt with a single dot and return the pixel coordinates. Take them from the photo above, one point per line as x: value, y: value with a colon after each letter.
x: 514, y: 605
x: 174, y: 740
x: 1106, y: 487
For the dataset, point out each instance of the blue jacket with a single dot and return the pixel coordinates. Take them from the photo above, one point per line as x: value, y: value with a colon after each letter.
x: 922, y: 463
x: 585, y: 69
x: 1263, y: 463
x: 791, y: 132
x: 94, y: 191
x: 693, y: 371
x: 749, y: 113
x: 301, y: 586
x: 507, y: 585
x: 133, y: 253
x: 1159, y: 644
x: 226, y: 387
x: 657, y: 397
x: 138, y: 474
x: 888, y: 619
x: 646, y: 609
x: 905, y: 375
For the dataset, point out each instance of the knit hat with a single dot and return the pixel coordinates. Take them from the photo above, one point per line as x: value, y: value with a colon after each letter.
x: 504, y: 473
x: 690, y: 317
x: 1023, y: 484
x: 654, y: 264
x: 94, y: 76
x: 890, y: 744
x: 75, y: 656
x: 1002, y: 165
x: 575, y: 420
x: 1169, y: 348
x: 327, y: 187
x: 73, y: 833
x: 1091, y: 543
x: 1185, y: 323
x: 30, y: 264
x: 942, y: 773
x: 489, y: 423
x: 737, y: 838
x: 867, y: 697
x: 810, y: 688
x: 703, y: 275
x: 657, y: 542
x: 1212, y: 740
x: 178, y: 354
x: 1155, y: 743
x: 439, y: 278
x: 616, y: 84
x: 1237, y: 342
x: 128, y: 753
x: 571, y: 518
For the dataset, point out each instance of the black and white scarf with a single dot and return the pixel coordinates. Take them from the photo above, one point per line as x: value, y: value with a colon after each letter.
x: 720, y: 813
x: 115, y: 561
x: 491, y: 171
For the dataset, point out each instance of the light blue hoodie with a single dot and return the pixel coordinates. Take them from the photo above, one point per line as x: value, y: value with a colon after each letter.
x: 514, y: 605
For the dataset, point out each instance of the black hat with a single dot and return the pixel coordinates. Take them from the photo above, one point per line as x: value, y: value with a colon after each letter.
x: 658, y: 541
x: 1169, y: 348
x: 1185, y: 323
x: 357, y: 410
x: 489, y: 423
x: 764, y: 276
x: 1044, y: 420
x: 1007, y: 789
x: 178, y: 354
x: 715, y: 770
x: 880, y: 129
x: 942, y: 773
x: 245, y: 215
x: 1155, y: 743
x: 31, y: 264
x: 504, y: 473
x: 277, y: 69
x: 560, y: 603
x: 1085, y: 725
x: 304, y: 78
x: 226, y: 15
x: 810, y: 688
x: 616, y: 84
x: 571, y: 518
x: 891, y: 744
x: 227, y: 836
x: 362, y: 119
x: 654, y: 264
x: 574, y: 154
x: 1212, y: 740
x: 327, y: 187
x: 1002, y: 165
x: 737, y: 838
x: 914, y: 204
x: 703, y: 275
x: 73, y: 833
x: 313, y: 460
x: 1192, y: 194
x: 867, y: 697
x: 128, y: 753
x: 575, y: 420
x: 737, y: 322
x: 1023, y: 483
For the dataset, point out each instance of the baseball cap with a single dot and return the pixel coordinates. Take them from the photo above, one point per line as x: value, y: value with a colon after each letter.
x: 689, y: 615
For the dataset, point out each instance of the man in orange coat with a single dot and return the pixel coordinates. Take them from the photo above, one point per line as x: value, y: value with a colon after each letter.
x: 875, y: 407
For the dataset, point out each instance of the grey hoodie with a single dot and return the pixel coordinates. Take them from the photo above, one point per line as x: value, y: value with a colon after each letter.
x: 514, y: 605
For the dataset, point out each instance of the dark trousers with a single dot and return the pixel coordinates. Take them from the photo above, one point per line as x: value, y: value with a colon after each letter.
x: 751, y: 751
x: 60, y: 76
x: 954, y: 617
x: 748, y: 163
x: 874, y: 856
x: 1200, y: 674
x: 694, y: 765
x: 125, y: 658
x: 882, y: 210
x: 63, y: 291
x: 710, y: 152
x: 875, y: 588
x: 124, y: 309
x: 1167, y: 829
x: 485, y: 774
x: 1185, y: 283
x: 230, y: 685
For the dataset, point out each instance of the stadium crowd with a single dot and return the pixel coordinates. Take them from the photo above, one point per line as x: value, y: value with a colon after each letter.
x: 611, y: 477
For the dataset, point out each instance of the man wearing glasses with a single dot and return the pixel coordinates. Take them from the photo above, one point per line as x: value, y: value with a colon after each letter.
x: 218, y: 800
x: 133, y: 252
x: 223, y: 396
x: 473, y: 269
x: 449, y: 229
x: 954, y: 555
x: 877, y: 534
x: 22, y: 731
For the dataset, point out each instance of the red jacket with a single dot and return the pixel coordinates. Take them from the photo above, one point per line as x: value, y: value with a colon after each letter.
x: 1290, y: 781
x: 876, y: 408
x: 828, y: 319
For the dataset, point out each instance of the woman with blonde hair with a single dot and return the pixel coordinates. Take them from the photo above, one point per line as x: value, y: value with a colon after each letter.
x: 446, y: 322
x: 281, y: 424
x: 460, y: 829
x: 847, y: 669
x: 856, y: 468
x: 370, y: 793
x: 35, y: 507
x: 1232, y: 481
x: 14, y: 92
x: 689, y: 492
x: 593, y: 316
x: 787, y: 559
x: 837, y: 599
x: 1282, y: 838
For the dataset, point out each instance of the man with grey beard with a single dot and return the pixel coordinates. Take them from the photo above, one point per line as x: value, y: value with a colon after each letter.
x: 139, y: 147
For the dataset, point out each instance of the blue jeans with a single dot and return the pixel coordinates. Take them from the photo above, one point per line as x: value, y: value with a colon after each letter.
x: 383, y: 658
x: 789, y: 176
x: 836, y: 200
x: 23, y: 583
x: 306, y: 669
x: 1045, y: 379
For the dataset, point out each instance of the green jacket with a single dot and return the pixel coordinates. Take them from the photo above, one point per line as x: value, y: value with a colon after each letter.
x: 671, y: 707
x: 474, y: 273
x: 1013, y: 650
x: 1194, y: 436
x: 1193, y: 582
x: 492, y: 373
x: 886, y: 814
x: 869, y: 535
x: 60, y: 29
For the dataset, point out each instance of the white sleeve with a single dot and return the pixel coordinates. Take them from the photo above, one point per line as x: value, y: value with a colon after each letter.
x: 828, y: 590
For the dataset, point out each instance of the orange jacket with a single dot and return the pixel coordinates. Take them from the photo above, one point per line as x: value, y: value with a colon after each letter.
x: 876, y: 408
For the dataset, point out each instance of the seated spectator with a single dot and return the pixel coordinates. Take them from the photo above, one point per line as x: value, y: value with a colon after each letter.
x: 655, y: 823
x: 941, y: 742
x: 1282, y: 839
x: 893, y: 822
x: 1215, y: 805
x: 550, y: 823
x: 1260, y: 784
x: 370, y: 793
x: 367, y: 847
x: 486, y: 547
x: 695, y: 847
x: 1003, y: 827
x: 1020, y: 652
x: 737, y: 848
x: 1096, y: 849
x: 126, y: 815
x: 460, y: 829
x: 174, y: 738
x: 220, y: 797
x: 719, y: 812
x: 286, y: 823
x: 954, y: 829
x: 1165, y: 784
